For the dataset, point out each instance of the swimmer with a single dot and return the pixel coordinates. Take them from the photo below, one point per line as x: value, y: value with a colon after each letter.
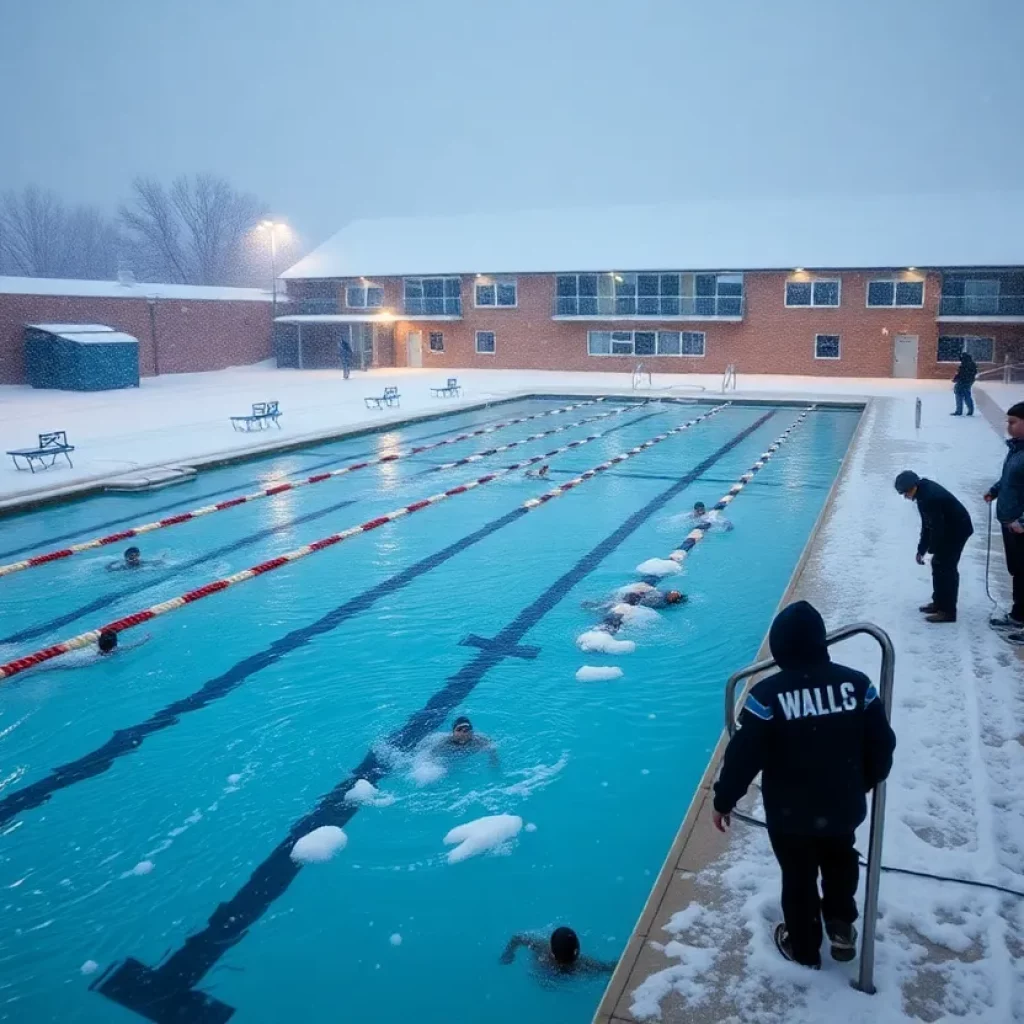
x: 712, y: 520
x: 107, y: 645
x: 133, y: 560
x: 538, y: 474
x: 639, y: 594
x: 559, y: 955
x: 463, y: 740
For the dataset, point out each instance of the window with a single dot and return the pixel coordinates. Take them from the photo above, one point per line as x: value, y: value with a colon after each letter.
x: 645, y: 343
x: 315, y: 297
x: 826, y: 346
x: 952, y: 347
x: 895, y: 293
x: 364, y: 297
x: 433, y: 296
x: 812, y: 293
x: 649, y: 295
x: 485, y: 343
x: 503, y: 293
x: 436, y: 341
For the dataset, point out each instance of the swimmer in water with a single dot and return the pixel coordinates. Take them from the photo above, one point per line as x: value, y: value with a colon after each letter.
x: 463, y: 740
x: 538, y: 474
x: 644, y: 596
x: 133, y: 560
x: 107, y: 645
x: 708, y: 520
x: 559, y: 955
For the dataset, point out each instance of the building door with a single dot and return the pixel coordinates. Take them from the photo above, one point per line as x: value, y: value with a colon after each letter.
x: 904, y: 356
x: 414, y: 348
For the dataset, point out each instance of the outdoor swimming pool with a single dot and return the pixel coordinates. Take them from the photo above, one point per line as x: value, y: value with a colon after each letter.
x: 149, y: 803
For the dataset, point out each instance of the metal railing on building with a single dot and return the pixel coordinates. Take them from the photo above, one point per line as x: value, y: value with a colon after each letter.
x: 981, y: 305
x: 656, y: 308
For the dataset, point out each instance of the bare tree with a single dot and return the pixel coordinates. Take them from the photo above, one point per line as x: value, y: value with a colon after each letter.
x: 92, y: 245
x: 194, y: 232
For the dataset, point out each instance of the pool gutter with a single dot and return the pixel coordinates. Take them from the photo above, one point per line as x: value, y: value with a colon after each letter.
x: 694, y: 849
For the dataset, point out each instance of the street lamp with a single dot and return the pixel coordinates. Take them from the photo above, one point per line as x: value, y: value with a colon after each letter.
x: 273, y: 227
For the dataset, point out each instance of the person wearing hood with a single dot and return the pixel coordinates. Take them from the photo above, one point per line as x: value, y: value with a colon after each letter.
x: 966, y: 374
x: 945, y: 529
x: 1008, y: 494
x: 818, y: 734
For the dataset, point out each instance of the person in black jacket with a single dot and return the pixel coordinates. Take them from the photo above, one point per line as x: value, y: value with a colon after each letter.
x: 819, y: 735
x: 1008, y: 494
x: 945, y: 529
x: 966, y: 374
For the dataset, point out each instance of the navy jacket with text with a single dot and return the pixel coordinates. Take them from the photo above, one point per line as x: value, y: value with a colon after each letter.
x: 816, y: 731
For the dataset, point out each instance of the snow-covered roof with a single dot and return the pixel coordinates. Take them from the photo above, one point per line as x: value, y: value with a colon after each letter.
x: 133, y: 290
x: 86, y: 334
x: 958, y: 230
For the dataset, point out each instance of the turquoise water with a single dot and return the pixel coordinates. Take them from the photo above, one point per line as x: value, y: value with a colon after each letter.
x: 307, y: 671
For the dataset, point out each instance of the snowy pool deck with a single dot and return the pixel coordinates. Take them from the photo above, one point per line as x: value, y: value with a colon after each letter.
x: 702, y: 949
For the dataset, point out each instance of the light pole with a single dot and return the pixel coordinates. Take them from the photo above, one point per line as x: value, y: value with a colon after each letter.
x: 272, y: 227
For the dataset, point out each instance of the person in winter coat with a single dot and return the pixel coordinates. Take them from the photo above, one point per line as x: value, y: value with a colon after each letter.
x: 819, y: 736
x: 1008, y: 494
x: 966, y: 374
x: 945, y: 529
x: 345, y: 352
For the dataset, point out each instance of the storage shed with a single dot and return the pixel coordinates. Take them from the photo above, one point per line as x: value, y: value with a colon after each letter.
x: 80, y: 357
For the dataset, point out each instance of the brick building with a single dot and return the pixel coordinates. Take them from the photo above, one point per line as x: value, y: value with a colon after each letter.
x: 180, y: 328
x: 885, y: 286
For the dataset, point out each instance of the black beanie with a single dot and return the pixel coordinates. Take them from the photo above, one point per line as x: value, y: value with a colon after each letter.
x: 1016, y: 411
x: 906, y: 480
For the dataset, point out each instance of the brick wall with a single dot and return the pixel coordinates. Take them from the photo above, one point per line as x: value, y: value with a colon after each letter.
x: 771, y: 338
x: 191, y: 335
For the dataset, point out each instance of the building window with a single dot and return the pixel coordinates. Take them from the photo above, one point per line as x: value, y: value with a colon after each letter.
x: 645, y: 343
x: 433, y: 296
x: 485, y: 343
x: 895, y: 293
x: 826, y: 346
x: 812, y: 293
x: 649, y: 295
x: 501, y: 292
x: 436, y: 341
x: 952, y: 347
x: 363, y: 297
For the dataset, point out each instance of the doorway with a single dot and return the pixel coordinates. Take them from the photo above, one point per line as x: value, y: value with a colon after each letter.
x: 904, y: 355
x: 414, y: 349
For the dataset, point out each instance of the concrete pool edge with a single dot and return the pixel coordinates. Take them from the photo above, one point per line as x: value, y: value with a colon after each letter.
x: 94, y: 485
x: 691, y: 849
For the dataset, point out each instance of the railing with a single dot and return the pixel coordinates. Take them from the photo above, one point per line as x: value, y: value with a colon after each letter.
x: 638, y: 376
x: 433, y: 307
x: 729, y: 378
x: 665, y: 307
x: 981, y: 305
x: 1009, y: 372
x: 865, y: 981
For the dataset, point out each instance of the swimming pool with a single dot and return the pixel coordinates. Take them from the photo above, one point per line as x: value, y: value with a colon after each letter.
x: 149, y: 804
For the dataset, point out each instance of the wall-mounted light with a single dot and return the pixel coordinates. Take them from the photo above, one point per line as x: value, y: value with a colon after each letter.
x: 911, y: 269
x: 798, y: 270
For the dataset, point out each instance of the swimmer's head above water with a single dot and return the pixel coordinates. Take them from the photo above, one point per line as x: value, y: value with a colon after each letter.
x: 673, y: 597
x: 462, y: 730
x: 565, y: 946
x: 699, y: 508
x: 133, y: 557
x: 107, y: 642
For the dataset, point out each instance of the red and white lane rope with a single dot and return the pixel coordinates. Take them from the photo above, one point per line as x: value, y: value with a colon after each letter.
x: 12, y: 668
x: 268, y: 492
x: 698, y: 533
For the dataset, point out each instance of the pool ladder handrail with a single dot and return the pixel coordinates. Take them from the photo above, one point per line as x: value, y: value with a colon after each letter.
x: 865, y: 980
x: 638, y: 376
x: 729, y: 378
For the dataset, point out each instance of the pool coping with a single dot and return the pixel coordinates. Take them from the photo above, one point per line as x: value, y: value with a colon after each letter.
x: 94, y: 485
x: 691, y: 851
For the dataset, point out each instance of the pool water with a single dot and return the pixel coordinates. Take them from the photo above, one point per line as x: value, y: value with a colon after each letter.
x: 148, y: 803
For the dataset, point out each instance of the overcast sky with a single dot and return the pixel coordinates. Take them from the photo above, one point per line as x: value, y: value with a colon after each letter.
x: 331, y: 110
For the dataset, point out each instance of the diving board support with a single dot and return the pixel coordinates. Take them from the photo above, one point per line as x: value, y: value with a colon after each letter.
x: 865, y: 980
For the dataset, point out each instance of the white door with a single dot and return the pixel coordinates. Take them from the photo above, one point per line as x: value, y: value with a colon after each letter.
x: 414, y: 348
x: 904, y: 356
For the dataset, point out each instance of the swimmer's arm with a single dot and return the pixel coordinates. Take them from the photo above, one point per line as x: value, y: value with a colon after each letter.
x: 115, y: 566
x: 527, y: 941
x: 588, y: 965
x: 484, y: 743
x: 132, y: 644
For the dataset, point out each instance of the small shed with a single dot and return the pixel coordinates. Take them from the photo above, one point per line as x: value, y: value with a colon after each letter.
x: 80, y: 357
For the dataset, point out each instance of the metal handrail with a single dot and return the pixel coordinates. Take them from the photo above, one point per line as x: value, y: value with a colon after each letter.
x: 865, y: 980
x: 638, y: 375
x: 981, y: 305
x: 1006, y: 370
x: 729, y: 378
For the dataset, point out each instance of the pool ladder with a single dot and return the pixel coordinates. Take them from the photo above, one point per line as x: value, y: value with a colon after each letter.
x: 638, y: 376
x: 729, y: 378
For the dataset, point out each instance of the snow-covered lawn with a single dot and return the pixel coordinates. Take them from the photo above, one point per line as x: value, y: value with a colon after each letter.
x: 955, y: 799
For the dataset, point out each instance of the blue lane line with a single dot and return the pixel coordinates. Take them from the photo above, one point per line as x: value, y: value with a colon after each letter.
x: 167, y: 994
x: 197, y: 499
x: 106, y: 600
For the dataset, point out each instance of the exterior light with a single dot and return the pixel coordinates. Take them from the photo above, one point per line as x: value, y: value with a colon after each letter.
x: 798, y: 270
x: 911, y: 269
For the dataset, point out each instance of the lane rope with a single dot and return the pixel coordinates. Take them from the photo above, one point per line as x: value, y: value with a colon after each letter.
x: 13, y: 668
x: 268, y: 492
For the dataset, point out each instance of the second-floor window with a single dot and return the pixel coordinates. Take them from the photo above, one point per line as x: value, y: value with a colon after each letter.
x: 433, y: 296
x: 813, y: 293
x: 499, y: 292
x: 895, y: 293
x: 653, y: 295
x: 364, y: 297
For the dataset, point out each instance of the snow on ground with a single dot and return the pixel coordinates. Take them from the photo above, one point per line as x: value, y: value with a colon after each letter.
x: 319, y: 845
x: 182, y: 418
x: 955, y: 799
x: 482, y: 835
